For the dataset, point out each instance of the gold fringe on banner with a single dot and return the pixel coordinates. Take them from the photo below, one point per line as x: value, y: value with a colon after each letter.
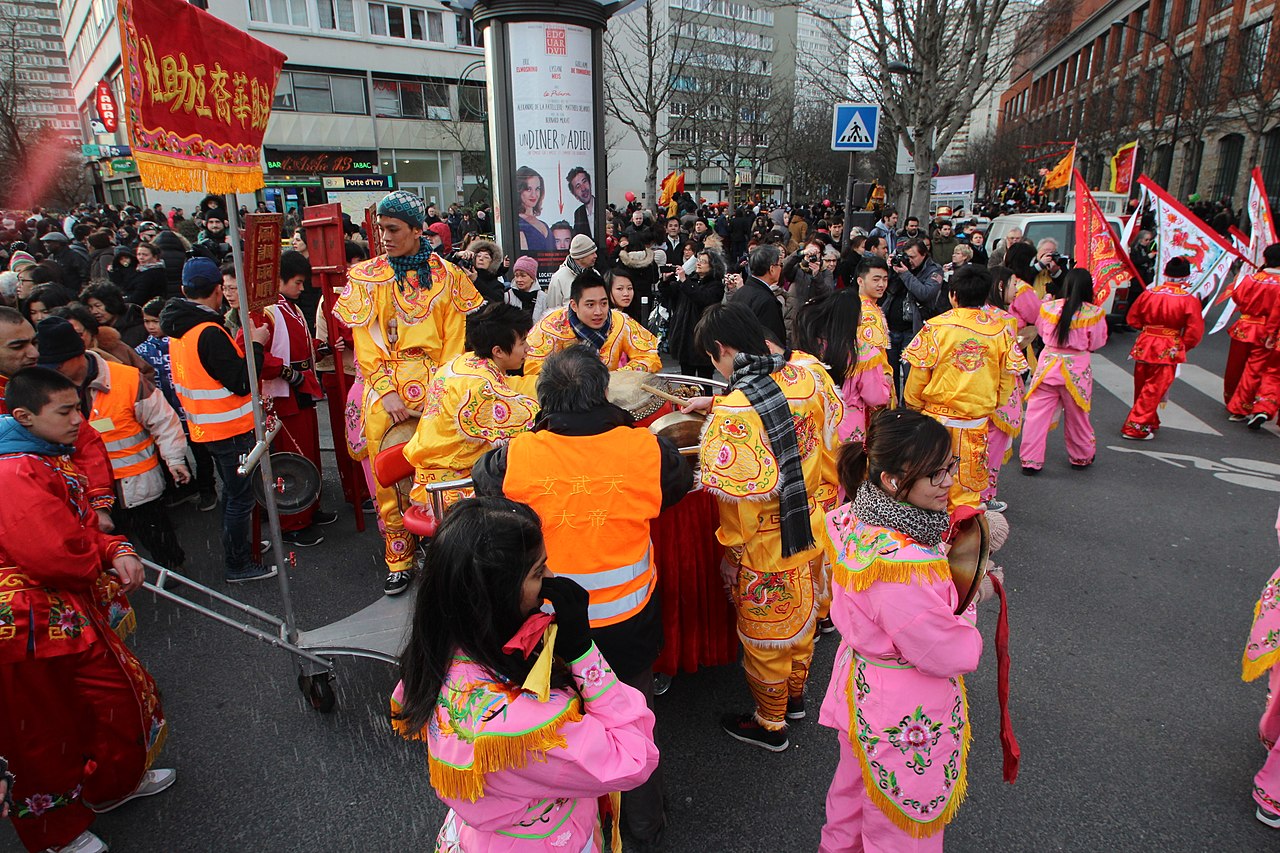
x: 159, y: 172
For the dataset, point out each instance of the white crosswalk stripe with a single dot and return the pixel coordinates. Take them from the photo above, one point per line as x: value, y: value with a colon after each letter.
x: 1116, y: 380
x: 1210, y: 384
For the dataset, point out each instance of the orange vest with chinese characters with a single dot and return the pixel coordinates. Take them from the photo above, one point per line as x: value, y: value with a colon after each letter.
x: 213, y: 412
x: 596, y: 495
x: 130, y: 446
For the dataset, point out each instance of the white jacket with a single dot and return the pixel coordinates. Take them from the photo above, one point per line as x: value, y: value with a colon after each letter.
x: 558, y: 290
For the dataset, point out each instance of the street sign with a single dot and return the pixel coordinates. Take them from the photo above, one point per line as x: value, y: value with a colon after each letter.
x: 855, y: 127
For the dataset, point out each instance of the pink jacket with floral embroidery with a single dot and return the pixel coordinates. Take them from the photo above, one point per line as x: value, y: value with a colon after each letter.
x: 524, y: 775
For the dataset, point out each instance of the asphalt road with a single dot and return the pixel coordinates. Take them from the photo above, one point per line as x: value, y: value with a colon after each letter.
x: 1131, y: 584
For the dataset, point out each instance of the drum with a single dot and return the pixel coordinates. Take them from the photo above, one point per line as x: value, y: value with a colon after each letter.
x: 625, y: 393
x: 968, y: 557
x: 683, y: 429
x: 298, y: 483
x: 389, y: 465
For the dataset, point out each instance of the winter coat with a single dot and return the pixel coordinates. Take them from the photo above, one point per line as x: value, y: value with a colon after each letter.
x: 686, y: 300
x: 173, y: 251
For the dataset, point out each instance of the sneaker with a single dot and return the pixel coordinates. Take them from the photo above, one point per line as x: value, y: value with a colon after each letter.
x: 304, y: 538
x: 745, y: 728
x: 1256, y: 420
x: 826, y: 626
x: 255, y: 572
x: 1141, y: 436
x: 153, y: 782
x: 795, y: 707
x: 994, y: 505
x: 179, y: 498
x: 1235, y: 419
x: 1080, y: 466
x: 1028, y: 471
x: 208, y: 502
x: 368, y: 507
x: 323, y: 517
x: 661, y: 683
x: 1270, y: 818
x: 85, y: 842
x: 397, y: 582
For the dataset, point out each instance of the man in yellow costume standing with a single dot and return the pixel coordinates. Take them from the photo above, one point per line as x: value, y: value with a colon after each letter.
x: 407, y: 313
x: 964, y: 364
x: 622, y: 343
x: 764, y: 457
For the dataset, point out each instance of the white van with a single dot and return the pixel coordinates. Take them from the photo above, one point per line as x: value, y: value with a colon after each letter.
x: 1062, y: 228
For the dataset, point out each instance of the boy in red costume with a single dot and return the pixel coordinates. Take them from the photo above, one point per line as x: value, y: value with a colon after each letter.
x: 1255, y: 398
x: 1172, y: 324
x: 81, y: 719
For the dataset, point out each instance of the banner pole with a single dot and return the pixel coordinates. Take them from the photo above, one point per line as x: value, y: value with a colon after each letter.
x: 259, y: 422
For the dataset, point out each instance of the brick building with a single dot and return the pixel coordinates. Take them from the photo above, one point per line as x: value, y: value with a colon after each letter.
x: 1196, y: 82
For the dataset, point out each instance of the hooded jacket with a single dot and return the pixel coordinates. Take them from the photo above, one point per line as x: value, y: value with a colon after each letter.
x: 216, y: 350
x: 15, y: 438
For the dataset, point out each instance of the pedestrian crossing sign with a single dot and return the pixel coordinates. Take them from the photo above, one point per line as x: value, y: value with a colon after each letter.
x: 855, y: 127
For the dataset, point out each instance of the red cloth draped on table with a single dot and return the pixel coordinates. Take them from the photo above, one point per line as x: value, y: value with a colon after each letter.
x: 699, y: 626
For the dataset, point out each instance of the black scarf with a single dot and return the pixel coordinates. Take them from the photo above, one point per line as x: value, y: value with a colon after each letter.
x: 420, y: 262
x: 874, y: 506
x: 594, y: 337
x: 751, y: 377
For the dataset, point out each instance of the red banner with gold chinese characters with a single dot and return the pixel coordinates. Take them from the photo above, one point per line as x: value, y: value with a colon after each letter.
x: 198, y: 94
x: 1098, y: 249
x: 262, y: 258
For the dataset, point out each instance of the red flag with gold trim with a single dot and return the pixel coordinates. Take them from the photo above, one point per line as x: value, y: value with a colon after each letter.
x: 1097, y: 248
x: 198, y: 94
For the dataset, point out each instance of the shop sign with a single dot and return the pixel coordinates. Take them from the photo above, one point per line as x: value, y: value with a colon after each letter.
x: 283, y: 162
x: 106, y: 104
x: 349, y: 182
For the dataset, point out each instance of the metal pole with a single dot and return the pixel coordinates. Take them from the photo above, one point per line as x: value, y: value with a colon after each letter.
x: 259, y: 423
x: 848, y: 208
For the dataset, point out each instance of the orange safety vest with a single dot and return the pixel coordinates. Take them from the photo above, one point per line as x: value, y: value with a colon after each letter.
x: 130, y: 446
x: 596, y: 495
x: 213, y: 412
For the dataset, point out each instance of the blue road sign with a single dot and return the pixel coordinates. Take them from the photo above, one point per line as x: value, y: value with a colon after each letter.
x: 855, y: 127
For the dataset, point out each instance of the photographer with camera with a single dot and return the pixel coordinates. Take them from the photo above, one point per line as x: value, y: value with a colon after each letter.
x: 1049, y: 266
x: 916, y: 293
x: 804, y: 279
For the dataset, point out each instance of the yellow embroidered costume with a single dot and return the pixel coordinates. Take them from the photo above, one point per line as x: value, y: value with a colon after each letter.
x: 470, y: 406
x: 627, y: 346
x: 964, y: 366
x: 775, y: 596
x: 403, y: 330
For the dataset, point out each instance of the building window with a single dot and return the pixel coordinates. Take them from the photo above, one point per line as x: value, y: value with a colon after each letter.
x: 1219, y: 5
x: 1139, y: 31
x: 1193, y: 158
x: 468, y: 34
x: 1176, y: 89
x: 1166, y: 16
x: 1164, y: 164
x: 1230, y: 150
x: 473, y: 102
x: 1254, y: 42
x: 289, y: 13
x: 388, y: 20
x: 1271, y: 166
x: 407, y: 99
x: 307, y: 92
x: 337, y: 15
x: 1214, y: 55
x: 1190, y: 14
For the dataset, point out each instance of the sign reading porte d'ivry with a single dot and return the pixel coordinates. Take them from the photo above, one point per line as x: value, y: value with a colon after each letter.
x: 855, y: 127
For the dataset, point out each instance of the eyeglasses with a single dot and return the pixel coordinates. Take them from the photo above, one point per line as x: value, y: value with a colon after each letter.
x: 937, y: 478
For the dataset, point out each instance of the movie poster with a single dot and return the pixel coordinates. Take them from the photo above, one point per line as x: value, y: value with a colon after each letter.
x: 554, y: 124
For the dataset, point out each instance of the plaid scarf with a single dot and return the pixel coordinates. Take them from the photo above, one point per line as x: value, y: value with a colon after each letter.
x: 751, y: 377
x: 594, y: 337
x: 420, y: 262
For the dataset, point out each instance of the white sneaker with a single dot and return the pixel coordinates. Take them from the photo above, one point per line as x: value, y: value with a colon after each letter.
x: 1268, y: 817
x: 153, y: 782
x: 85, y: 842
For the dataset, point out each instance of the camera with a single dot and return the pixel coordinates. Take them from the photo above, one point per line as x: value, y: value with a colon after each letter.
x: 899, y: 259
x: 667, y: 269
x: 465, y: 263
x: 1062, y: 261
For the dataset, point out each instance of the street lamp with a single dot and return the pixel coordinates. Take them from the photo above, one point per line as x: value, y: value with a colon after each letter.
x: 1180, y: 65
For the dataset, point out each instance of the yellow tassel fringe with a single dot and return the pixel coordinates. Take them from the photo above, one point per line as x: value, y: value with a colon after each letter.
x: 1252, y: 669
x: 491, y: 753
x: 888, y: 571
x: 913, y: 828
x: 162, y: 173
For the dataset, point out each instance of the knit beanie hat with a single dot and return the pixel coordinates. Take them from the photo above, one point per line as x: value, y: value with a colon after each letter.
x: 581, y: 246
x: 405, y: 206
x: 21, y: 260
x: 526, y: 264
x: 58, y: 342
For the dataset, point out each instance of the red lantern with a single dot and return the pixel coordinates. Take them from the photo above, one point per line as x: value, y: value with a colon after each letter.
x: 106, y: 106
x: 630, y: 196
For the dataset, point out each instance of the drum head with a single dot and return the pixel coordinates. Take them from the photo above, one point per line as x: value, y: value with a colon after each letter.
x: 625, y: 392
x: 300, y: 478
x: 967, y: 557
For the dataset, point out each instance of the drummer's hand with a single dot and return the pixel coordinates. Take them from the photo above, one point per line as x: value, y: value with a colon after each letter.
x: 395, y: 407
x: 129, y: 569
x: 697, y: 404
x: 105, y: 524
x: 986, y: 590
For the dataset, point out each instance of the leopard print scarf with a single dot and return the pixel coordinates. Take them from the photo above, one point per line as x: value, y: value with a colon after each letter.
x: 872, y: 505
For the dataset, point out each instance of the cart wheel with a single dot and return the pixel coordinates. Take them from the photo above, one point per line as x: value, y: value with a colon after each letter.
x: 319, y: 691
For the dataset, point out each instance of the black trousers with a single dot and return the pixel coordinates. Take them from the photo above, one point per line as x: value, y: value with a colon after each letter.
x: 642, y: 813
x: 148, y: 525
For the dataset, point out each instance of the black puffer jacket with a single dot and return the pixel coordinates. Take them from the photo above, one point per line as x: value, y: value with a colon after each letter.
x: 686, y: 300
x: 173, y: 251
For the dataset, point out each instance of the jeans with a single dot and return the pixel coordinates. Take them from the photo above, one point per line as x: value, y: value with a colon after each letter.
x: 237, y: 500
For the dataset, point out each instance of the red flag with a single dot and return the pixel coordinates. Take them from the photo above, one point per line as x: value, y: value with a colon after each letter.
x: 198, y: 94
x: 1097, y: 248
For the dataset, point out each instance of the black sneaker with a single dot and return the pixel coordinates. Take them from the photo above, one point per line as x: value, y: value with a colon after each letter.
x: 1235, y: 419
x: 795, y: 707
x: 994, y: 505
x: 397, y: 582
x: 177, y: 499
x: 323, y: 517
x: 1256, y: 421
x: 744, y: 727
x: 826, y: 626
x: 303, y: 538
x: 208, y: 501
x: 1029, y: 471
x: 661, y: 684
x: 254, y: 572
x: 369, y: 507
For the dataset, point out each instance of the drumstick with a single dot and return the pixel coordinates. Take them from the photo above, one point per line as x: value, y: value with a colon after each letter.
x: 663, y: 395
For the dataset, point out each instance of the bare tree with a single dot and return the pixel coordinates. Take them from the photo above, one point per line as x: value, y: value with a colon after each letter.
x: 645, y: 55
x: 1255, y: 100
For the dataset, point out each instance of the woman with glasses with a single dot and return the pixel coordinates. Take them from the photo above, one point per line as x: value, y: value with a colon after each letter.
x: 897, y: 691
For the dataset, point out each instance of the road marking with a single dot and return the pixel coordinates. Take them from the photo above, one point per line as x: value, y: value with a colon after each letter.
x: 1117, y: 380
x: 1210, y: 384
x: 1251, y: 473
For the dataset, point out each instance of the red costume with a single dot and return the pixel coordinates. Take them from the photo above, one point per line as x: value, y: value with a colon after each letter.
x: 80, y: 719
x: 289, y: 378
x: 1171, y: 325
x: 1256, y: 357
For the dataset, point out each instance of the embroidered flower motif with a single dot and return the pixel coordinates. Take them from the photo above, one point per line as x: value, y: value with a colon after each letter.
x: 561, y: 840
x: 593, y: 676
x: 38, y: 804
